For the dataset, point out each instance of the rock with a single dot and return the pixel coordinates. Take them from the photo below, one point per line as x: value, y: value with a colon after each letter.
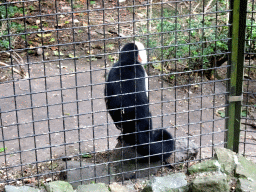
x: 99, y: 187
x: 10, y: 188
x: 39, y: 51
x: 115, y: 187
x: 244, y: 185
x: 246, y: 169
x: 85, y: 173
x: 171, y: 183
x: 213, y: 182
x: 133, y: 187
x: 58, y: 186
x: 184, y: 152
x: 205, y: 166
x: 128, y: 166
x: 227, y: 160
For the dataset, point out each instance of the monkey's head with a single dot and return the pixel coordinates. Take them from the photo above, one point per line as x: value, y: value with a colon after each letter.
x: 133, y: 53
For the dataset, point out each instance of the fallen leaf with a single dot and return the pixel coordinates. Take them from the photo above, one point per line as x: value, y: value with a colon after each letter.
x: 70, y: 20
x: 157, y: 66
x: 3, y: 149
x: 54, y: 48
x: 140, y: 15
x: 76, y: 21
x: 86, y: 155
x: 60, y: 24
x: 57, y: 53
x: 71, y: 55
x: 44, y: 35
x: 52, y: 39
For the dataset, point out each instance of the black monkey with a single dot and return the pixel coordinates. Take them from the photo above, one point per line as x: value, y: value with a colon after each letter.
x: 127, y: 102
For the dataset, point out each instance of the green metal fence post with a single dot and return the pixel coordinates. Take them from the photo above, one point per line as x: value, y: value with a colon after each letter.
x: 236, y: 73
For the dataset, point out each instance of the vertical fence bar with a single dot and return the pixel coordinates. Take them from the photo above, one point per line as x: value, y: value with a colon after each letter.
x: 236, y: 73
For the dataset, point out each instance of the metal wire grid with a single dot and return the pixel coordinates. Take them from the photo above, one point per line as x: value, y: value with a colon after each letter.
x: 247, y: 141
x: 60, y: 102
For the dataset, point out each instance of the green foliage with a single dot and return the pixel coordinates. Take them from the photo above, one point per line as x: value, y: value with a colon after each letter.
x: 195, y: 38
x: 32, y: 27
x: 11, y: 11
x: 222, y: 113
x: 111, y: 58
x: 32, y: 8
x: 86, y: 155
x: 250, y: 44
x: 2, y: 149
x: 14, y: 27
x: 244, y: 113
x: 92, y: 2
x: 77, y: 6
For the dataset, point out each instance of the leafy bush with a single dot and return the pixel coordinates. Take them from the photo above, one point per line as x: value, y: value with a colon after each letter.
x: 250, y: 44
x: 195, y: 38
x: 196, y: 41
x: 11, y: 11
x: 14, y: 27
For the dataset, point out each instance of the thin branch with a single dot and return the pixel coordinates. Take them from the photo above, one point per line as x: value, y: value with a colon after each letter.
x: 227, y: 6
x: 20, y: 62
x: 208, y: 5
x: 195, y: 7
x: 150, y: 14
x: 15, y: 70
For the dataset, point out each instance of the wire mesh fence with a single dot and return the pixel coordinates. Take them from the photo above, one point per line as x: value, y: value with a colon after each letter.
x: 54, y: 62
x: 247, y: 137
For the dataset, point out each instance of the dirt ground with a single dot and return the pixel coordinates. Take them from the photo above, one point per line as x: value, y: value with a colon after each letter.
x: 61, y: 122
x: 53, y: 116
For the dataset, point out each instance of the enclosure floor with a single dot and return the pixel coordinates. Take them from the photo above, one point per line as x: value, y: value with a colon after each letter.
x: 73, y: 129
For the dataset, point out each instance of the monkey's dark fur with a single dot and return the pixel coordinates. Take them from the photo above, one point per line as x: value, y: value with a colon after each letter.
x: 127, y: 103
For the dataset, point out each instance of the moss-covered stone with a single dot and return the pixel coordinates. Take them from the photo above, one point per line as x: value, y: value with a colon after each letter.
x: 171, y: 183
x: 58, y: 186
x: 226, y: 158
x: 246, y: 169
x: 210, y: 183
x: 115, y: 187
x: 244, y: 185
x: 205, y: 166
x: 99, y: 187
x: 9, y: 188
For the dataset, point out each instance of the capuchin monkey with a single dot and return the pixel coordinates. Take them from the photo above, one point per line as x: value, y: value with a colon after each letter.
x: 126, y: 96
